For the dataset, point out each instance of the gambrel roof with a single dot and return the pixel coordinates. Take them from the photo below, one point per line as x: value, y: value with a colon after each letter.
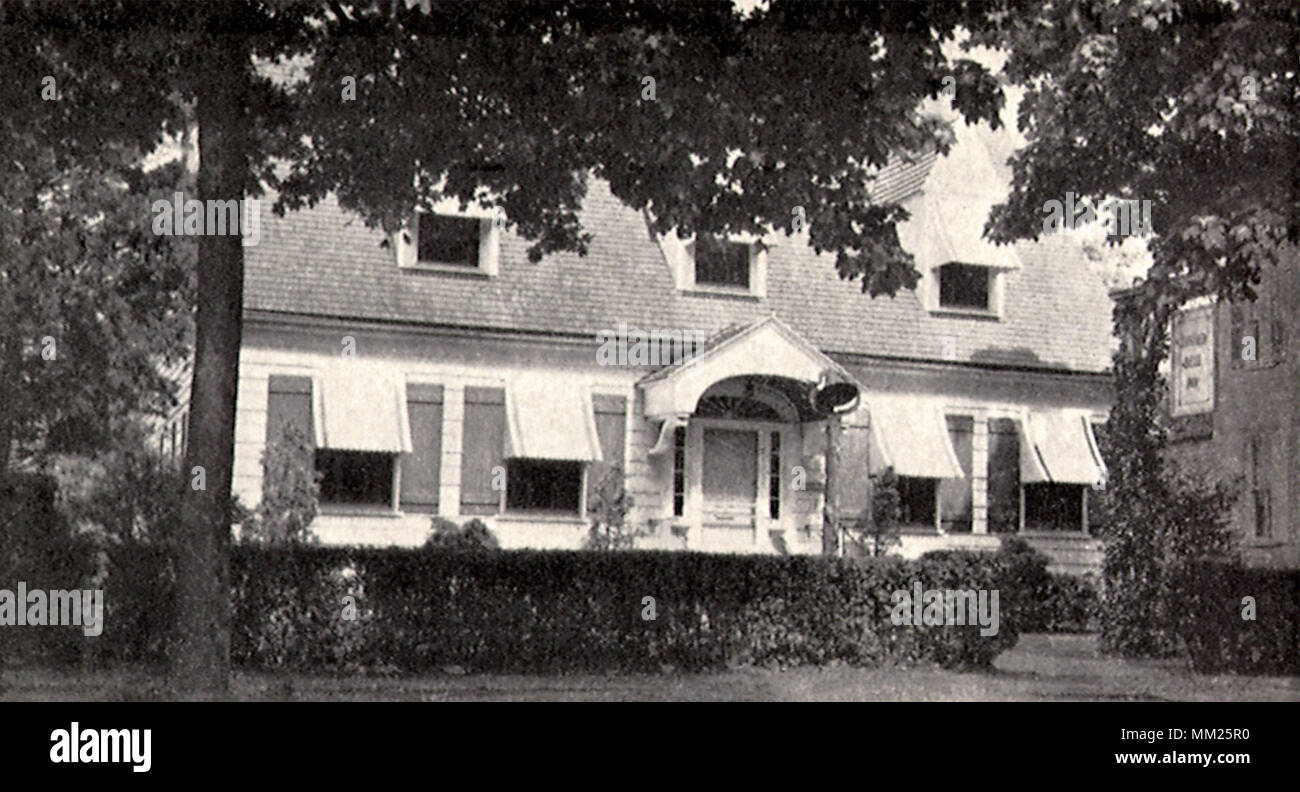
x: 325, y: 262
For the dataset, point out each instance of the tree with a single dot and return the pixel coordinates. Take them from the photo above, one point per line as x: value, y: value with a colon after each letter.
x: 290, y: 492
x: 1192, y: 107
x: 1188, y: 105
x: 708, y: 119
x: 92, y: 306
x: 877, y: 529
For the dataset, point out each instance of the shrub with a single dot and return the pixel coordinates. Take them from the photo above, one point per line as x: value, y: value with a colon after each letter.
x: 473, y: 536
x: 39, y: 548
x: 876, y: 532
x: 290, y: 493
x: 1039, y: 601
x: 1072, y: 604
x: 1223, y: 631
x: 561, y: 611
x: 609, y: 506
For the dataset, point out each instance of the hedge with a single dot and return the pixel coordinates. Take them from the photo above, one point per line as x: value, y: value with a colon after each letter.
x: 338, y: 608
x: 41, y: 550
x: 1213, y: 620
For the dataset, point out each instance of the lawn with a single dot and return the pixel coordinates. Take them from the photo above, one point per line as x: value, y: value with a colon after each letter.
x: 1040, y: 668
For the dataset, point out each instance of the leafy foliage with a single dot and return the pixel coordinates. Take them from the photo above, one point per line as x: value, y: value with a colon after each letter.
x: 40, y: 548
x: 290, y: 492
x: 1155, y: 521
x: 473, y: 536
x: 877, y: 532
x: 549, y: 611
x: 609, y: 506
x: 93, y: 306
x: 1231, y: 618
x: 1142, y: 99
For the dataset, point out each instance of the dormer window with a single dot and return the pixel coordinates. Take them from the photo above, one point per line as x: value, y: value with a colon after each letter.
x: 965, y: 287
x: 448, y: 240
x: 721, y: 262
x: 733, y: 266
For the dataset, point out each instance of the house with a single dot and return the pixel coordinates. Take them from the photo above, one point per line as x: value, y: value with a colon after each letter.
x: 1235, y: 408
x: 442, y: 373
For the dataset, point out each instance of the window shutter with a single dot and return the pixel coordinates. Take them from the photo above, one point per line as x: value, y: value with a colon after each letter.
x: 421, y: 469
x: 611, y: 428
x: 853, y: 489
x: 1004, y: 476
x: 289, y: 402
x: 955, y: 494
x: 1277, y: 339
x: 484, y: 449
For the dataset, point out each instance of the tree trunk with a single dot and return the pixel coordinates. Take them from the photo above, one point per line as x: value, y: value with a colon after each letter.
x: 10, y: 363
x: 200, y: 658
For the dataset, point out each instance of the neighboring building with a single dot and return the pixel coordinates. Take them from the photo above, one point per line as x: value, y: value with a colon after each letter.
x: 1235, y: 404
x: 445, y: 374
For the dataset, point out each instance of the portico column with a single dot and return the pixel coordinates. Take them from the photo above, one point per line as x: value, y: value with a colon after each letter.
x: 831, y: 544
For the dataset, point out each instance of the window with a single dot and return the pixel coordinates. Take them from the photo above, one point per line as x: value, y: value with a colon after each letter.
x: 917, y: 499
x: 1053, y: 507
x: 447, y: 239
x: 964, y: 287
x: 1258, y: 334
x: 1257, y: 448
x: 720, y: 262
x: 774, y: 478
x: 355, y: 478
x: 543, y: 485
x: 679, y: 471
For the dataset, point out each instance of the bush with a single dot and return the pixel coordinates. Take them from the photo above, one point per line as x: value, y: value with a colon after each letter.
x: 473, y: 536
x: 1072, y: 604
x: 40, y: 548
x: 1040, y: 600
x: 1219, y: 630
x: 608, y: 510
x: 312, y: 608
x: 290, y: 493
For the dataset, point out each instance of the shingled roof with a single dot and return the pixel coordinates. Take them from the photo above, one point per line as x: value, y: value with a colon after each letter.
x: 325, y: 262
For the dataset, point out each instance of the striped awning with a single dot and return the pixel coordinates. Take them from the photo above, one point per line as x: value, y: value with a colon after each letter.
x: 550, y: 417
x: 362, y: 410
x: 910, y: 434
x: 1058, y: 446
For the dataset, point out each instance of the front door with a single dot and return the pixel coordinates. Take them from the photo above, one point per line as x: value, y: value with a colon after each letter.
x: 729, y: 484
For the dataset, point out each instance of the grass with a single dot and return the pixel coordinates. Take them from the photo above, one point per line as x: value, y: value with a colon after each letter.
x: 1040, y: 668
